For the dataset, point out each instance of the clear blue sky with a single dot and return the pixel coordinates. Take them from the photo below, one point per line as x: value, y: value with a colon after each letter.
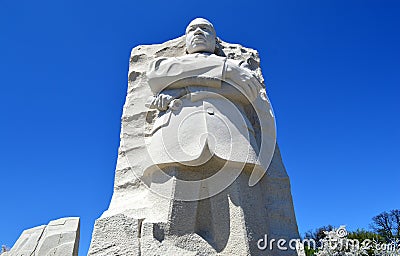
x: 332, y: 70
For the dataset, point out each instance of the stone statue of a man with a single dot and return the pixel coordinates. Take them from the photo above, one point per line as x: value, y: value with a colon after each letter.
x: 198, y: 170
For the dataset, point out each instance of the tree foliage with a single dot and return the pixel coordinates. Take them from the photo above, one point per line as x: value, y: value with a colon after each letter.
x: 317, y: 235
x: 385, y: 230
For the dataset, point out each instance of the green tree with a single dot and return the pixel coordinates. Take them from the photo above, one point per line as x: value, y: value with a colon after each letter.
x: 317, y: 235
x: 362, y: 235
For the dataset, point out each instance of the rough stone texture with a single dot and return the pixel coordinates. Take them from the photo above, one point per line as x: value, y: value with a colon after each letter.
x: 118, y: 231
x: 59, y: 237
x: 139, y: 222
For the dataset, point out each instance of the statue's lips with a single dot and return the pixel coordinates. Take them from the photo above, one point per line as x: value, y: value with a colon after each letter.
x: 199, y: 39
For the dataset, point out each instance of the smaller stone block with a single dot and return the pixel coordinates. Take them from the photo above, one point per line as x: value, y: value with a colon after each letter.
x: 60, y: 238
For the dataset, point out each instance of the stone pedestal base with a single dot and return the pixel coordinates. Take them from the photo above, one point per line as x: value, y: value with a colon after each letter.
x: 229, y: 223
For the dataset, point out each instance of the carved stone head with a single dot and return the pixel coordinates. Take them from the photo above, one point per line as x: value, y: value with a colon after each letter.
x: 200, y: 36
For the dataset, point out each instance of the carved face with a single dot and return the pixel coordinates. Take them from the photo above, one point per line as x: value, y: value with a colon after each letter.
x: 200, y: 36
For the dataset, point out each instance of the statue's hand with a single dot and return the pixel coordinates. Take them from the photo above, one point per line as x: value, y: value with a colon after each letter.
x: 162, y: 101
x: 246, y: 82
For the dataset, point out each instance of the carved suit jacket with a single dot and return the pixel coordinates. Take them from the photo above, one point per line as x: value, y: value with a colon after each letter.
x: 207, y: 124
